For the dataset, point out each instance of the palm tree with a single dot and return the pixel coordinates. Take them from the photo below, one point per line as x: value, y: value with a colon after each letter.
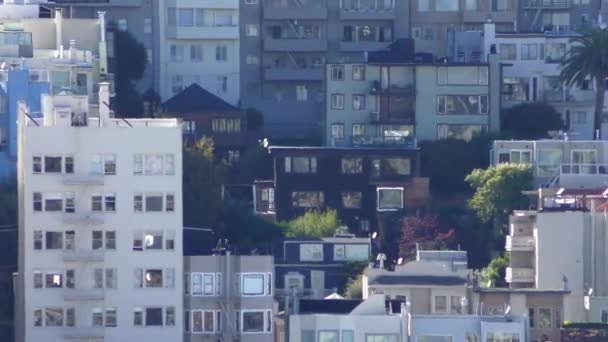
x: 588, y: 57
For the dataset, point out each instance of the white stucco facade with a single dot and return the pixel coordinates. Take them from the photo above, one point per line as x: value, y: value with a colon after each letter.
x: 100, y: 225
x: 199, y: 43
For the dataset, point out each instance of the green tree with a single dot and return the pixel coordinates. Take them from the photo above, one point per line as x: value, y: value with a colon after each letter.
x: 530, y: 120
x: 588, y: 58
x: 8, y: 255
x: 130, y: 63
x: 498, y: 190
x: 255, y: 163
x: 314, y: 224
x: 495, y: 272
x: 202, y: 179
x: 354, y: 288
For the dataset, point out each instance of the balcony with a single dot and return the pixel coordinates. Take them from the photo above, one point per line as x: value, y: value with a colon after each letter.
x: 547, y: 4
x: 293, y: 74
x: 295, y: 45
x: 88, y: 218
x: 393, y: 89
x: 519, y: 275
x: 508, y: 16
x: 363, y: 46
x: 583, y: 175
x: 318, y: 12
x: 209, y: 32
x: 367, y: 13
x: 386, y: 141
x: 520, y: 243
x: 83, y: 179
x: 83, y: 255
x: 83, y: 295
x: 83, y: 333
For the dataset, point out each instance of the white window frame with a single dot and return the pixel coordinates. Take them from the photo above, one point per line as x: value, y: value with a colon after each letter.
x: 267, y: 325
x: 265, y: 280
x: 379, y: 189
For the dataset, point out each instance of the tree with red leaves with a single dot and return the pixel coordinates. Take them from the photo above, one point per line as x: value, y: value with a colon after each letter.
x: 423, y: 230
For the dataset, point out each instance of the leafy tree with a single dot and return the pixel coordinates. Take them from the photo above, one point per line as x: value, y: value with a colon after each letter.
x: 458, y: 156
x: 588, y: 57
x: 314, y: 224
x: 130, y: 63
x: 424, y: 230
x: 531, y: 120
x: 8, y: 254
x: 255, y: 119
x: 255, y: 163
x: 498, y: 189
x: 202, y: 185
x: 245, y: 230
x: 354, y: 288
x: 495, y: 272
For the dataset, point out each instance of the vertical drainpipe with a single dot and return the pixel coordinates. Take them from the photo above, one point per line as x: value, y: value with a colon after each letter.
x: 59, y: 31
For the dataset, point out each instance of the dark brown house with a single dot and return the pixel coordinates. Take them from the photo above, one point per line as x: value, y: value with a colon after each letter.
x: 205, y: 114
x: 361, y: 184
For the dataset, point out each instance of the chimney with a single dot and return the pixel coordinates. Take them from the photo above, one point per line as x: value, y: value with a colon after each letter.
x: 104, y: 101
x: 72, y: 50
x: 58, y: 31
x: 102, y: 25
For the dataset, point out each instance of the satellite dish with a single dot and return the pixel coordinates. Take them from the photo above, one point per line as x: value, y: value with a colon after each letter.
x: 374, y: 235
x: 265, y: 143
x: 400, y: 261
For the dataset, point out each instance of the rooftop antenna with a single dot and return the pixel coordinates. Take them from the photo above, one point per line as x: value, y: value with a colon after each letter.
x: 381, y: 258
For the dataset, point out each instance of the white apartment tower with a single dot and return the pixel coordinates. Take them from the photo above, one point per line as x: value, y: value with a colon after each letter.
x: 100, y: 220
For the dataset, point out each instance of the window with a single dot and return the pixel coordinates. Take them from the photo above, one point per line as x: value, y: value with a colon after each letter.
x: 38, y: 240
x: 579, y: 118
x: 251, y: 2
x: 358, y: 130
x: 103, y: 202
x: 462, y: 104
x: 251, y: 30
x: 170, y: 202
x: 307, y: 199
x: 37, y: 201
x: 53, y: 317
x: 301, y: 164
x: 110, y: 202
x: 185, y: 17
x: 544, y: 318
x: 529, y: 52
x: 446, y: 5
x: 441, y: 305
x: 508, y: 51
x: 69, y: 202
x: 153, y: 164
x: 358, y: 72
x: 604, y: 316
x: 252, y: 284
x: 358, y: 102
x: 301, y: 92
x: 455, y: 304
x: 424, y: 5
x: 154, y: 317
x: 53, y: 279
x: 104, y: 164
x: 471, y: 337
x: 308, y: 336
x: 462, y: 132
x: 177, y: 83
x: 52, y: 164
x: 337, y: 72
x: 148, y: 25
x: 515, y: 157
x: 328, y: 336
x: 337, y: 131
x: 54, y: 240
x: 196, y: 53
x: 516, y: 89
x: 68, y: 166
x: 251, y: 59
x: 555, y: 52
x: 311, y: 252
x: 205, y: 284
x: 36, y: 164
x: 122, y: 24
x: 390, y: 199
x: 437, y: 338
x: 383, y: 338
x: 347, y: 336
x: 153, y: 202
x: 352, y: 165
x: 204, y: 321
x: 352, y: 200
x: 391, y: 167
x: 337, y: 101
x: 153, y: 278
x: 256, y: 321
x: 221, y: 53
x: 199, y: 16
x: 53, y: 201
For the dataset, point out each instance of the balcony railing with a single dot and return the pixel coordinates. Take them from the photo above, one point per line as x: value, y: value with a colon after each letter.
x: 520, y: 243
x: 83, y: 333
x: 83, y: 295
x: 367, y: 13
x: 83, y: 179
x: 519, y: 275
x: 400, y: 141
x: 293, y: 74
x: 584, y: 169
x: 548, y: 4
x: 376, y: 88
x: 295, y: 44
x: 83, y: 255
x: 295, y: 10
x: 88, y: 218
x: 405, y: 116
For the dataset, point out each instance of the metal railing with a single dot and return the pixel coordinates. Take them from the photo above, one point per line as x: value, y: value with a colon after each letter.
x: 584, y: 169
x: 520, y: 243
x: 548, y: 4
x: 383, y: 141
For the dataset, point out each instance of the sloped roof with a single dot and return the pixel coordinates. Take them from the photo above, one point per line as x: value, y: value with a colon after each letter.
x: 196, y: 99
